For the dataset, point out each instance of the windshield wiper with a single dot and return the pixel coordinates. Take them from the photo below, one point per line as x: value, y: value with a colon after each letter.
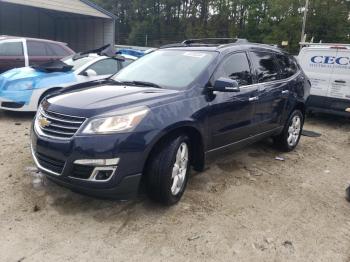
x: 141, y: 83
x: 111, y: 80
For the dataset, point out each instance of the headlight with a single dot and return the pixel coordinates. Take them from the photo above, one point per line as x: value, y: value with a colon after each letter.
x: 123, y: 122
x: 20, y: 86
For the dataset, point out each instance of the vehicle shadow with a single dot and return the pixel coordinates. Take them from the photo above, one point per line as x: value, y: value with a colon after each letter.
x: 219, y: 171
x: 67, y: 202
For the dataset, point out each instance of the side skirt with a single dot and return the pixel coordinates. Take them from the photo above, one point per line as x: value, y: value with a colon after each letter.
x: 209, y: 155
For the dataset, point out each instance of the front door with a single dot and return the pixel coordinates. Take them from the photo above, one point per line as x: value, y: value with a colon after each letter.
x: 230, y: 114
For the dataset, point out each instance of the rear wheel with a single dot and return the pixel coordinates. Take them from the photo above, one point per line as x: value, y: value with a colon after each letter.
x: 290, y: 136
x: 168, y: 169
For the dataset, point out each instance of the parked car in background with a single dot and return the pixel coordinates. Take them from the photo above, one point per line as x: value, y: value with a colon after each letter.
x: 328, y: 68
x: 22, y: 89
x: 18, y: 52
x: 169, y: 110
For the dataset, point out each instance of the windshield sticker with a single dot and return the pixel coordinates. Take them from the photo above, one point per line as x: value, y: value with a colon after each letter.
x: 194, y: 54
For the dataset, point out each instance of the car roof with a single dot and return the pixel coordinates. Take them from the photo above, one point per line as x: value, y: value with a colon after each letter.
x: 7, y: 37
x: 239, y: 45
x: 326, y: 47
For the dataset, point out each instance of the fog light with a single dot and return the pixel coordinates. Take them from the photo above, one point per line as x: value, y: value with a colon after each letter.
x: 97, y: 162
x: 347, y: 110
x: 103, y: 174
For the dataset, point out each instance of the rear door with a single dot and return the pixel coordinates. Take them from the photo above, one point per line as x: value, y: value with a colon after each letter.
x: 38, y: 52
x: 11, y: 55
x: 340, y: 80
x: 56, y: 51
x: 230, y: 114
x: 318, y: 65
x: 273, y: 91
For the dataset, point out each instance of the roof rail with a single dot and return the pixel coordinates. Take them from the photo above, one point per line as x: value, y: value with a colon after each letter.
x: 215, y: 41
x: 321, y: 44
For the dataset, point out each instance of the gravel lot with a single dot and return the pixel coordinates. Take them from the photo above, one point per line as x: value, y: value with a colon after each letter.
x: 246, y: 207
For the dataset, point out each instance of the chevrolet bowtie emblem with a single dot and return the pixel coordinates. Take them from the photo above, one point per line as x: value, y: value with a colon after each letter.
x: 43, y: 122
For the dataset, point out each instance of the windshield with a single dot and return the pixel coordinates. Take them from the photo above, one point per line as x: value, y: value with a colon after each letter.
x: 167, y: 68
x: 77, y: 63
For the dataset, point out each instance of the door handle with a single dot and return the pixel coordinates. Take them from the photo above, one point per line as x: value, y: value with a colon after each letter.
x: 285, y: 92
x: 252, y: 99
x: 340, y: 81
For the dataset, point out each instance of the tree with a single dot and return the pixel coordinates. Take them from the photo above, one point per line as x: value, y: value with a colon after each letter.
x: 265, y: 21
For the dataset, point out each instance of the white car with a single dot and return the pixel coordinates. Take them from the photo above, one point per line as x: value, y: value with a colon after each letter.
x: 22, y: 89
x: 328, y: 68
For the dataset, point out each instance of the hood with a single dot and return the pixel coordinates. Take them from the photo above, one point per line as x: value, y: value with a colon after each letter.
x: 103, y: 99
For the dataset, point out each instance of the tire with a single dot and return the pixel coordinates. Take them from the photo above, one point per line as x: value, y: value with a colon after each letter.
x: 289, y: 139
x: 162, y: 170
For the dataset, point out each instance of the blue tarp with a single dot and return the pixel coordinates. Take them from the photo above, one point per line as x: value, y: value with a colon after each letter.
x: 132, y: 52
x: 18, y: 84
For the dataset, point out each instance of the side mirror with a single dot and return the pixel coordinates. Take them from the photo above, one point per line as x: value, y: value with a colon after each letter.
x: 224, y: 84
x: 90, y: 73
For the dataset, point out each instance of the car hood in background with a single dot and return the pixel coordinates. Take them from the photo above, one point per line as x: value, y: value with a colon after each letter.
x: 37, y: 79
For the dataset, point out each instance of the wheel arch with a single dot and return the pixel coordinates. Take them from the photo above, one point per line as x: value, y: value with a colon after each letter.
x: 300, y: 106
x: 196, y: 143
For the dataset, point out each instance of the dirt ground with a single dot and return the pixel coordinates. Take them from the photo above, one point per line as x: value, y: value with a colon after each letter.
x: 247, y: 206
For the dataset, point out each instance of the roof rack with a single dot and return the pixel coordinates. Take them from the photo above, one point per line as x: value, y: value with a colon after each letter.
x: 208, y: 42
x: 216, y: 41
x: 322, y: 44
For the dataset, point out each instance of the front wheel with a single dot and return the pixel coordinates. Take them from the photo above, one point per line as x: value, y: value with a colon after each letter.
x: 168, y: 169
x: 290, y: 136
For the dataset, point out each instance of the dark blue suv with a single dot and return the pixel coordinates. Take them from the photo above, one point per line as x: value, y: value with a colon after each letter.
x: 167, y: 112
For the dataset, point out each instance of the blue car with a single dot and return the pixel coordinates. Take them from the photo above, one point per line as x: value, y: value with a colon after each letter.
x: 169, y: 111
x: 22, y: 89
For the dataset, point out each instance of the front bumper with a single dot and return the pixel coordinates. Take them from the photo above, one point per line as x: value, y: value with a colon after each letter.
x: 9, y: 105
x: 56, y: 158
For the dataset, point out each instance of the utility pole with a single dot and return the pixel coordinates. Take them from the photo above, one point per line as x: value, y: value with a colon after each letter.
x: 304, y: 21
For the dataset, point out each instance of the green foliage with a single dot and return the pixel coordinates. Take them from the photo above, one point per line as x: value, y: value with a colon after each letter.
x: 157, y: 22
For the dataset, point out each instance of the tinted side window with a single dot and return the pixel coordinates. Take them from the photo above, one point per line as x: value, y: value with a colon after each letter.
x: 127, y: 62
x: 266, y: 68
x: 105, y: 67
x: 237, y: 68
x: 287, y: 64
x: 58, y: 50
x: 36, y: 48
x: 11, y: 49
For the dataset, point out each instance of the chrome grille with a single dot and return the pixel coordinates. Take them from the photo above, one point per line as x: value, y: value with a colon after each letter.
x: 59, y: 125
